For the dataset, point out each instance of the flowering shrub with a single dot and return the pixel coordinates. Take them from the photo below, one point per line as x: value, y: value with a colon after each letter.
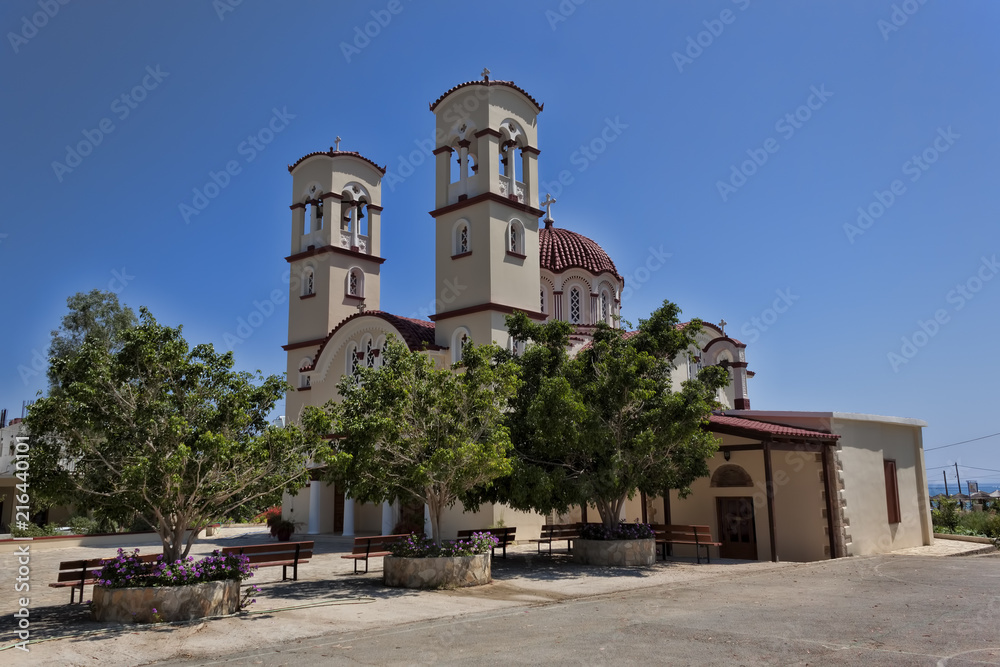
x: 129, y: 570
x: 418, y: 546
x: 623, y: 531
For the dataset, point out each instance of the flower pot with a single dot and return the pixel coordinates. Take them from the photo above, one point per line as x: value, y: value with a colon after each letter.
x: 284, y: 534
x: 615, y: 552
x: 171, y: 603
x: 438, y: 572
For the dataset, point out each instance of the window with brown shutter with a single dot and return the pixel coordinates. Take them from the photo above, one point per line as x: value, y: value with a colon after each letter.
x: 891, y: 491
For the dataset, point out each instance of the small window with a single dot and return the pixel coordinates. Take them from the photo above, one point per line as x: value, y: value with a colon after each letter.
x: 355, y: 283
x: 574, y: 306
x: 892, y: 491
x: 370, y: 354
x: 541, y: 299
x: 463, y: 239
x: 515, y: 238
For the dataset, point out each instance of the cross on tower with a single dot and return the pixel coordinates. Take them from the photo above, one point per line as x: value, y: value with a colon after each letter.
x: 336, y: 142
x: 486, y: 74
x: 549, y: 201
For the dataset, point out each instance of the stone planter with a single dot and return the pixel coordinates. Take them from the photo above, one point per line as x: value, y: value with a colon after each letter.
x: 172, y: 603
x: 615, y: 552
x: 442, y: 572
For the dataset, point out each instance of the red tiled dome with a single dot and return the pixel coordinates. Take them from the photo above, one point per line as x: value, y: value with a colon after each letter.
x: 560, y: 249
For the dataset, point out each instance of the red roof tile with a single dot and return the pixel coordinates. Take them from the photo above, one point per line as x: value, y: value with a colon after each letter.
x: 755, y: 427
x: 417, y: 334
x: 560, y: 250
x: 333, y: 153
x: 508, y: 84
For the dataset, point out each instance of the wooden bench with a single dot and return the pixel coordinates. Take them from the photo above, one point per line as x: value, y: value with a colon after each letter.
x: 285, y: 554
x: 558, y: 531
x: 79, y: 573
x: 505, y: 535
x: 699, y: 536
x: 374, y: 546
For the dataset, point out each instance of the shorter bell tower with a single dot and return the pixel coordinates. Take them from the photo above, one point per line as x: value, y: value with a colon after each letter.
x: 336, y: 238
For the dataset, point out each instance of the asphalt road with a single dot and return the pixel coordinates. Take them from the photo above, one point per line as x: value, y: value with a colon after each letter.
x: 886, y: 610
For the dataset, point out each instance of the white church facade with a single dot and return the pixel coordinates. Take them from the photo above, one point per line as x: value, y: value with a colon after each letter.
x: 794, y: 486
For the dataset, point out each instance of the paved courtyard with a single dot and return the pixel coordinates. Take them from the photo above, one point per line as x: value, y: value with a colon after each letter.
x: 897, y: 609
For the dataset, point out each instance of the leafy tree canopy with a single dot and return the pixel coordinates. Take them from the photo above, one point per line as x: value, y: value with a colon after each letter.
x: 599, y: 427
x: 95, y: 315
x: 411, y: 431
x: 153, y: 426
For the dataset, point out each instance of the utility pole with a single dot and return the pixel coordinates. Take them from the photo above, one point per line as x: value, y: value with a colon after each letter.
x: 959, y: 486
x: 945, y: 474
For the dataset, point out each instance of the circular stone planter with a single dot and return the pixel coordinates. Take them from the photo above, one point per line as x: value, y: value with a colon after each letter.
x: 440, y: 572
x: 172, y: 603
x: 615, y: 552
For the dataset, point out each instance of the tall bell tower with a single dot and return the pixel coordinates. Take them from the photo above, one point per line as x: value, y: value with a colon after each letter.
x: 486, y: 211
x: 336, y: 239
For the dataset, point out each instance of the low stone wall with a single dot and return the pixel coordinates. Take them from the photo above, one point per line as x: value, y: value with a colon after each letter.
x: 615, y: 552
x: 172, y: 603
x: 442, y: 572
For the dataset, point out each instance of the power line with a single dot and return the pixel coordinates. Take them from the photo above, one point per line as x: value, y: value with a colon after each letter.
x: 954, y: 444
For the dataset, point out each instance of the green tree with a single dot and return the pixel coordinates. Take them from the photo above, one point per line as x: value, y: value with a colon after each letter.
x: 95, y: 316
x: 601, y: 426
x: 151, y: 426
x: 411, y: 431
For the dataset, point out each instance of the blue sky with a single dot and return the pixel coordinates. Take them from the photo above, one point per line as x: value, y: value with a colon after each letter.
x: 746, y: 137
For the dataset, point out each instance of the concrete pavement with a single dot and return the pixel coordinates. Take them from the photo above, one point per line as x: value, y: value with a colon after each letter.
x: 331, y: 604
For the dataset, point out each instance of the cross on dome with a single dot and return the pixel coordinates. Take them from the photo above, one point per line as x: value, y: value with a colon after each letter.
x: 337, y: 141
x: 722, y: 325
x: 549, y: 201
x: 486, y: 74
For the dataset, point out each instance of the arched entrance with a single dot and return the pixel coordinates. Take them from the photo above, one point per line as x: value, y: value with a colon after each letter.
x: 737, y: 524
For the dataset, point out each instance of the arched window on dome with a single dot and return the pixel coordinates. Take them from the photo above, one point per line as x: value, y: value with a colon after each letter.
x: 381, y: 345
x: 575, y: 306
x: 371, y: 353
x: 606, y: 307
x: 352, y: 363
x: 515, y: 238
x: 541, y: 299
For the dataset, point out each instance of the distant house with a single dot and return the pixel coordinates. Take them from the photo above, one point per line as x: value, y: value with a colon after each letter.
x: 784, y: 485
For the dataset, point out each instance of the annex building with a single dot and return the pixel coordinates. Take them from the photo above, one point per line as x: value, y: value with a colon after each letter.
x: 784, y: 485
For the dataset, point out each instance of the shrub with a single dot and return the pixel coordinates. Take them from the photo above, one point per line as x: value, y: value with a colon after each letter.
x: 623, y: 531
x: 418, y: 546
x: 83, y: 525
x: 127, y: 570
x: 946, y: 515
x: 34, y: 530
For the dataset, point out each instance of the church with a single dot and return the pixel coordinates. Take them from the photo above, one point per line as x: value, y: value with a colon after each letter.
x: 784, y: 485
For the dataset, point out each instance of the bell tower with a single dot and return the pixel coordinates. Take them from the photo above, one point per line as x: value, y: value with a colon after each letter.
x: 486, y: 211
x: 336, y: 238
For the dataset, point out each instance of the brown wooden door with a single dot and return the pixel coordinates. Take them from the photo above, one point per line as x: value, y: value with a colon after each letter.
x: 737, y: 529
x: 338, y: 511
